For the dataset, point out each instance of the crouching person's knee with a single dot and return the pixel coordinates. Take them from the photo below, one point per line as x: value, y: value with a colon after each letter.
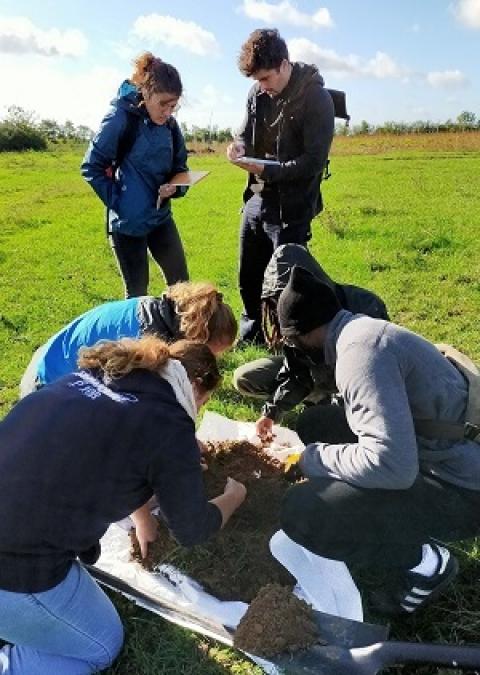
x: 303, y: 515
x: 110, y: 647
x: 244, y: 381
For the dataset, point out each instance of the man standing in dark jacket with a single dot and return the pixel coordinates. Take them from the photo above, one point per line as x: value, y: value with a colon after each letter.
x: 290, y: 122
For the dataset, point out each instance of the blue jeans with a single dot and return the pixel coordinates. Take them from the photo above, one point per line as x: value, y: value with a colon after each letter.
x: 258, y: 240
x: 72, y: 629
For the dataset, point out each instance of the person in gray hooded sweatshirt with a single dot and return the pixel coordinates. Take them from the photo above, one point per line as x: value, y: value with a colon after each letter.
x: 379, y: 494
x: 286, y: 380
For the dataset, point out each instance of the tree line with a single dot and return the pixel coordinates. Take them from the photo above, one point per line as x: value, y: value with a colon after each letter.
x: 466, y: 121
x: 20, y: 130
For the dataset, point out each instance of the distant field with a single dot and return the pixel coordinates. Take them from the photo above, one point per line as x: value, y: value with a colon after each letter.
x: 401, y: 217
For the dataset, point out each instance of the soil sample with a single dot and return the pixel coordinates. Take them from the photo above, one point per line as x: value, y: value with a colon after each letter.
x: 276, y: 621
x: 236, y: 563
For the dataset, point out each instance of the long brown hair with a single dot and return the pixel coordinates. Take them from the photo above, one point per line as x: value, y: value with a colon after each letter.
x: 204, y: 316
x: 154, y: 76
x: 120, y: 357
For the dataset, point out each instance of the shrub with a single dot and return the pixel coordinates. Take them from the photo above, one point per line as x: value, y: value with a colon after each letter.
x: 20, y: 136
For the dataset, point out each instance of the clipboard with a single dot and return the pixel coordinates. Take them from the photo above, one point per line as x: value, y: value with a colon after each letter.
x: 187, y: 178
x: 254, y: 160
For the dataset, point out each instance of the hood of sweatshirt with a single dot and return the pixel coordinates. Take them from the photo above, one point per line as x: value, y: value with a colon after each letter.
x: 278, y: 269
x: 128, y: 98
x: 302, y: 78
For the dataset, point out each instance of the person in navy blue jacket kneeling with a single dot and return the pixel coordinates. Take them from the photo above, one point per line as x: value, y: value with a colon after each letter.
x: 83, y: 452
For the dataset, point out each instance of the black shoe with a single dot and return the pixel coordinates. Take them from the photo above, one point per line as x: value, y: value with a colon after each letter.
x: 413, y: 591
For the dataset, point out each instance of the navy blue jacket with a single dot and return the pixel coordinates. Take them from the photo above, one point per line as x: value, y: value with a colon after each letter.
x: 157, y: 153
x: 78, y: 455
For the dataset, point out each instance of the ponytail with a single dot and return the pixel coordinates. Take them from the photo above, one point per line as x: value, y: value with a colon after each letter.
x: 204, y: 316
x: 119, y: 358
x: 155, y: 76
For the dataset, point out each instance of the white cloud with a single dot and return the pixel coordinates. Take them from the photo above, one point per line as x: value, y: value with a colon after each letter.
x: 50, y: 92
x: 168, y: 30
x: 285, y: 12
x: 416, y: 28
x: 209, y: 106
x: 447, y: 79
x: 468, y: 12
x: 381, y: 66
x: 18, y: 35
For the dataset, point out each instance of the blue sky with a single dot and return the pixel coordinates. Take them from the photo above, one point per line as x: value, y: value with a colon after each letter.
x: 401, y: 60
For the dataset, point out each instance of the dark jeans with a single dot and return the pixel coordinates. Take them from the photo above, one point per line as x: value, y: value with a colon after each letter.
x: 166, y: 248
x: 369, y: 527
x: 258, y: 240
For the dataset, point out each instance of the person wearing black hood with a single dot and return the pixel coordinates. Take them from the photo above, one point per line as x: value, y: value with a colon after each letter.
x: 289, y: 120
x: 288, y: 379
x: 394, y: 475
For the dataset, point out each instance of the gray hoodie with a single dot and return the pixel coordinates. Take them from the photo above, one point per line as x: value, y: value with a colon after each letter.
x: 388, y: 376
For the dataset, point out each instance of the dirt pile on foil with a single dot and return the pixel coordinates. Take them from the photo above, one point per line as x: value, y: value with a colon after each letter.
x: 276, y: 622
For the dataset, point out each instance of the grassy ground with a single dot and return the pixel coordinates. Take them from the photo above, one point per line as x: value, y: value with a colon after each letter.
x: 401, y: 218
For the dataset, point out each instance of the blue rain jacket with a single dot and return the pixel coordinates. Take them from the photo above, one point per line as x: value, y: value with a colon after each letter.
x: 157, y: 153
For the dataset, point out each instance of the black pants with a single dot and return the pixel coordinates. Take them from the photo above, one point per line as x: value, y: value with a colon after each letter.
x: 370, y: 527
x: 258, y: 241
x: 166, y: 248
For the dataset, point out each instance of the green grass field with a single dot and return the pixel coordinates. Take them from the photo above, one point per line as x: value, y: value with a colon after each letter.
x: 400, y: 220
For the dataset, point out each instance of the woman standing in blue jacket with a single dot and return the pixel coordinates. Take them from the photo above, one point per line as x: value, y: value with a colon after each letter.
x: 143, y: 143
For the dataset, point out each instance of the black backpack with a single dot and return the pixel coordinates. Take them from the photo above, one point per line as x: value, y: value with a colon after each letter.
x: 340, y: 108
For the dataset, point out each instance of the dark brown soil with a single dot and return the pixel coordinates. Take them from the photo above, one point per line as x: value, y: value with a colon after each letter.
x: 276, y: 622
x: 237, y: 562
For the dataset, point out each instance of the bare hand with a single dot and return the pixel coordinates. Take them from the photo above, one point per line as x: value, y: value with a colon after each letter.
x: 165, y: 191
x: 264, y: 429
x: 203, y: 447
x: 147, y: 532
x: 235, y: 489
x: 235, y: 150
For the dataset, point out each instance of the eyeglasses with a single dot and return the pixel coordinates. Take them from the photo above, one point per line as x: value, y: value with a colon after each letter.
x: 172, y: 107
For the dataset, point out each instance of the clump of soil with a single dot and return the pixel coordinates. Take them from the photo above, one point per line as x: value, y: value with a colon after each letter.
x: 276, y: 622
x: 236, y: 563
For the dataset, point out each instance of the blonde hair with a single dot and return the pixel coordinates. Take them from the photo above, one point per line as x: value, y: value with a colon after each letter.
x: 155, y: 76
x: 204, y: 317
x: 118, y: 358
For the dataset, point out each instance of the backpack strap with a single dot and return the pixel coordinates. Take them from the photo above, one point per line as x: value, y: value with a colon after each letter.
x: 125, y: 144
x: 127, y: 139
x: 470, y: 429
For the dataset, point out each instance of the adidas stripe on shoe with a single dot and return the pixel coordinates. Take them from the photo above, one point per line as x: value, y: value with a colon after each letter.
x: 413, y: 591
